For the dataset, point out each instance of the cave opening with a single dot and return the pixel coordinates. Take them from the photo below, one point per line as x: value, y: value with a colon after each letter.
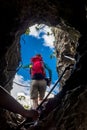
x: 38, y: 38
x: 58, y: 47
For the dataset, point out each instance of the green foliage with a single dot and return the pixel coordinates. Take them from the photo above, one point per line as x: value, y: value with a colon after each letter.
x: 48, y: 33
x: 26, y: 106
x: 27, y: 31
x: 53, y: 55
x: 21, y: 97
x: 37, y: 28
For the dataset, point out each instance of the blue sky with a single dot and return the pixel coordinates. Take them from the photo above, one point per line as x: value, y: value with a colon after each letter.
x: 32, y: 47
x: 37, y: 41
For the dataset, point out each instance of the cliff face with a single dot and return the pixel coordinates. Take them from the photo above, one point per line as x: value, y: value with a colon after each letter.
x: 68, y: 108
x: 65, y: 47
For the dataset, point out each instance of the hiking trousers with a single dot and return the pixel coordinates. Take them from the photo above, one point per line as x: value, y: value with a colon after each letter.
x: 37, y: 89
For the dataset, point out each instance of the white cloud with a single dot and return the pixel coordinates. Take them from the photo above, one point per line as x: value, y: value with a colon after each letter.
x: 33, y: 31
x: 47, y: 34
x: 18, y: 88
x: 24, y: 91
x: 48, y: 41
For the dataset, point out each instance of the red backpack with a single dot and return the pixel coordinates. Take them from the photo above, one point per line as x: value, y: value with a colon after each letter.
x: 37, y: 66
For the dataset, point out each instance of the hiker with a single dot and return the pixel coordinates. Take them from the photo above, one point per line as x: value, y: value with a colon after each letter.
x: 9, y: 103
x: 38, y: 76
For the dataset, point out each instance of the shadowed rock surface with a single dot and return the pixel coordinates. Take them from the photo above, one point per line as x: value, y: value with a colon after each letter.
x: 68, y: 110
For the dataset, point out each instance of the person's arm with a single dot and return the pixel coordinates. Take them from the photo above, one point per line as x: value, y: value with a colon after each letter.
x: 9, y: 103
x: 49, y: 70
x: 25, y: 66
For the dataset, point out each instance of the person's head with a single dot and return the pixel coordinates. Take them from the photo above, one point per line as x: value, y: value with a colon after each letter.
x: 39, y: 55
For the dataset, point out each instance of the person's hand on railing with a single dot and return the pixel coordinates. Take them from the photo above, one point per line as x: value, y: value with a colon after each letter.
x: 48, y: 80
x: 33, y: 114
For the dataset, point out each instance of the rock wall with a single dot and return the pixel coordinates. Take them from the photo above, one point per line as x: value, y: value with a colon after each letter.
x: 65, y: 47
x: 67, y: 111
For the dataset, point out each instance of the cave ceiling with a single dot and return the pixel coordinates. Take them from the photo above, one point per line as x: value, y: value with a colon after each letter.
x: 15, y: 17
